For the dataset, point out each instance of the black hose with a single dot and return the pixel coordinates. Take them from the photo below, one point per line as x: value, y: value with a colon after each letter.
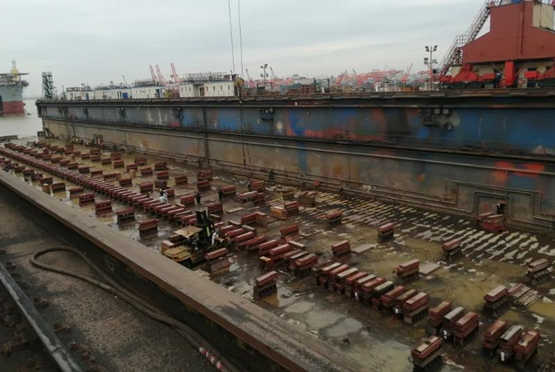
x: 109, y: 285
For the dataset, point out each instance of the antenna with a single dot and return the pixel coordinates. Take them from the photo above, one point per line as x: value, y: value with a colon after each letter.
x: 231, y: 36
x: 240, y: 34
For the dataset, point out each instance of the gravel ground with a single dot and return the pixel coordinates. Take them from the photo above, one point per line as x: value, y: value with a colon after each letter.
x: 104, y: 333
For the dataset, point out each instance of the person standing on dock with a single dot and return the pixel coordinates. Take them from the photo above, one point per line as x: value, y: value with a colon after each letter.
x: 197, y: 197
x: 163, y: 196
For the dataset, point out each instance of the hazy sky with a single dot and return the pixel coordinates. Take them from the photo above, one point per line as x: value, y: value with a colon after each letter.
x: 98, y: 41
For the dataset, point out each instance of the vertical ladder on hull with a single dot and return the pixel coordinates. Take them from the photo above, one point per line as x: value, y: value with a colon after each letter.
x: 454, y: 54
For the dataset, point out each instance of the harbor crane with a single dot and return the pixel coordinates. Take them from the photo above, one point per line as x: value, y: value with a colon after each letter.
x: 161, y: 79
x: 174, y: 75
x: 153, y: 75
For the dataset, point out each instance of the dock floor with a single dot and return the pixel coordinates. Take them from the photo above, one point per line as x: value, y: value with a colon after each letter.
x: 361, y: 333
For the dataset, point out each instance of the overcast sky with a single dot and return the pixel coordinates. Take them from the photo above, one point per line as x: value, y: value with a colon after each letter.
x: 98, y: 41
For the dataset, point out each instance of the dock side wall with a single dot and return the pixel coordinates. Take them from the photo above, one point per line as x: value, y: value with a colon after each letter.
x: 462, y: 183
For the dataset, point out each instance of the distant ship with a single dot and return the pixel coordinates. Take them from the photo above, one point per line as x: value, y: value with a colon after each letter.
x: 11, y: 92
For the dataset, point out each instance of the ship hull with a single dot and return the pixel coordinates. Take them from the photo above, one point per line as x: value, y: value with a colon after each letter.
x: 387, y: 152
x: 13, y: 108
x: 11, y: 100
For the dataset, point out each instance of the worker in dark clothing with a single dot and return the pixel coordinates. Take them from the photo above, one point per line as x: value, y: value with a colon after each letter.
x: 497, y: 79
x: 197, y: 197
x: 220, y: 195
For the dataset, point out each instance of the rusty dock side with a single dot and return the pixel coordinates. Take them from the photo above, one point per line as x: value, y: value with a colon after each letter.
x: 254, y: 337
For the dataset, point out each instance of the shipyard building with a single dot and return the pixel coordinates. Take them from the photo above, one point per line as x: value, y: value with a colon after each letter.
x: 191, y: 85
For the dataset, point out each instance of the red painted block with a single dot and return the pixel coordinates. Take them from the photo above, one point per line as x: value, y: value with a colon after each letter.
x: 125, y: 182
x: 147, y: 171
x: 289, y: 230
x: 163, y: 175
x: 161, y: 165
x: 215, y: 254
x: 73, y: 191
x: 118, y: 164
x: 103, y: 207
x: 341, y: 248
x: 146, y: 187
x: 85, y: 199
x: 181, y: 179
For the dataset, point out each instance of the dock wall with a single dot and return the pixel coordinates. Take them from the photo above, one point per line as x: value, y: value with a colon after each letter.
x: 463, y: 159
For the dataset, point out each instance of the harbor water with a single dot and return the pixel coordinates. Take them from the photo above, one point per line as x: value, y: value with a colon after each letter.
x: 22, y: 126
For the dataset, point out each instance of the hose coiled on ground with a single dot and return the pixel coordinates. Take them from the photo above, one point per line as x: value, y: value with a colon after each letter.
x: 109, y: 285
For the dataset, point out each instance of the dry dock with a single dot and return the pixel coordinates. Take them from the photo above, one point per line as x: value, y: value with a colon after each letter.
x: 304, y: 326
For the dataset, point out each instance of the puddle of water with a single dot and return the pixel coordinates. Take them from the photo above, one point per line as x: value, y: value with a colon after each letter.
x: 544, y: 309
x: 318, y: 319
x: 343, y: 328
x: 299, y: 307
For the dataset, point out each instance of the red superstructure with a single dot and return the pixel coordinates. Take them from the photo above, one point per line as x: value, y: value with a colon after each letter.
x: 516, y: 34
x: 518, y: 51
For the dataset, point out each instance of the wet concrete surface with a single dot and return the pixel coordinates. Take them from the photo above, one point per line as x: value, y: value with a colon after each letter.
x: 355, y: 329
x: 104, y: 333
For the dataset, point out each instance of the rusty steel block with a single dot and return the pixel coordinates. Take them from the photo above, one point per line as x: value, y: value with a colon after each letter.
x: 73, y: 191
x: 140, y: 161
x: 97, y: 173
x: 160, y: 184
x: 386, y: 232
x: 215, y: 208
x: 334, y: 217
x: 118, y: 164
x: 203, y: 185
x: 180, y: 180
x: 58, y: 186
x: 187, y: 200
x: 160, y: 166
x: 341, y: 248
x: 265, y: 285
x: 85, y: 199
x: 125, y: 216
x: 126, y: 182
x: 289, y: 230
x: 163, y: 175
x: 204, y: 174
x: 103, y: 207
x: 147, y: 171
x: 112, y: 176
x: 148, y: 227
x: 407, y: 269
